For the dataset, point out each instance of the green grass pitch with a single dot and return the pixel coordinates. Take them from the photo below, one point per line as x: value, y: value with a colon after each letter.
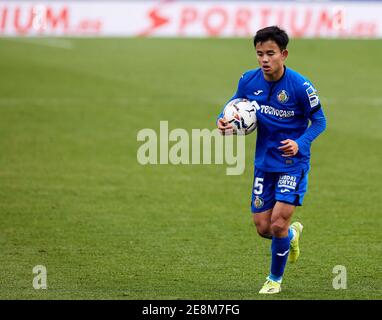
x: 74, y: 198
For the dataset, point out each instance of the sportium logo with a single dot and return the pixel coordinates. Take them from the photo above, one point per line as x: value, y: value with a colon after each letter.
x: 181, y: 147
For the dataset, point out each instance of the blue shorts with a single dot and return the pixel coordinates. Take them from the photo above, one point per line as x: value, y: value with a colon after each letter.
x: 269, y: 187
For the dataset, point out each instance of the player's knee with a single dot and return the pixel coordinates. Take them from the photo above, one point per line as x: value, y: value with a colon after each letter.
x: 264, y: 233
x: 263, y: 229
x: 279, y: 227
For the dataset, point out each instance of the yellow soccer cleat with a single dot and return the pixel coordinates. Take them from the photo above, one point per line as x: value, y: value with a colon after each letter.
x: 270, y: 287
x: 294, y: 244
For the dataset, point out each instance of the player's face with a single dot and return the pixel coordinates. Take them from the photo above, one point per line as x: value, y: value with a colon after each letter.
x: 271, y: 59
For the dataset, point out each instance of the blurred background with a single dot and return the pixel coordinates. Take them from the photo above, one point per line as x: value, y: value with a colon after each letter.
x: 80, y: 79
x: 170, y: 18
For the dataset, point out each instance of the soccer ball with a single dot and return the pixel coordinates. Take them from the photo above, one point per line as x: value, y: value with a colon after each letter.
x: 241, y: 114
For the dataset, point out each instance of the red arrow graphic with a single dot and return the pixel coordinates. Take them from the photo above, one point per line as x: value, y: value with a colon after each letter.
x: 156, y: 19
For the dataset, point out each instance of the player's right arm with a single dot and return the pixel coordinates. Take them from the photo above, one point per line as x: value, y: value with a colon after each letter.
x: 223, y: 125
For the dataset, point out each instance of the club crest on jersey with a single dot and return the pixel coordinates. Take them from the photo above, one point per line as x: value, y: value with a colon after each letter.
x: 283, y: 96
x: 258, y: 202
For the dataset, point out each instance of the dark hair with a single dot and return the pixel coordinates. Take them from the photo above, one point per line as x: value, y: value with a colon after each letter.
x: 272, y: 33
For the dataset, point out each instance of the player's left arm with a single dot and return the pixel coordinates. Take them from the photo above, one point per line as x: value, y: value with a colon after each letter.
x: 318, y: 125
x: 313, y: 110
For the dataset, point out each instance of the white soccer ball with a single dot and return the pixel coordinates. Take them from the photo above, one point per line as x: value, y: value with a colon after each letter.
x: 241, y: 114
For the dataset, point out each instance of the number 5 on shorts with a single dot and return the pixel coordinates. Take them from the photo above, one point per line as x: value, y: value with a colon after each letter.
x: 258, y: 186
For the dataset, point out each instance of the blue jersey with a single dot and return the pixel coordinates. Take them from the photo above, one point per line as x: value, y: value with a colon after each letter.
x: 284, y: 108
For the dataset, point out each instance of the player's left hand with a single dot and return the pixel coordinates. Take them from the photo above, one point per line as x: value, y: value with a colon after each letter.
x: 290, y: 148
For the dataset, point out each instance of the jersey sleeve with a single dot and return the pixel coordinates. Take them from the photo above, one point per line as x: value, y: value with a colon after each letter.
x: 309, y: 99
x: 238, y: 94
x: 311, y: 104
x: 318, y: 125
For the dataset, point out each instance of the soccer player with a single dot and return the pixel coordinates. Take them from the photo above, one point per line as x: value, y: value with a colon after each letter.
x: 286, y: 102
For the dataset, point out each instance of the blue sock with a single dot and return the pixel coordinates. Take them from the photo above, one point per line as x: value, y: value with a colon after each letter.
x: 290, y: 236
x: 280, y: 252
